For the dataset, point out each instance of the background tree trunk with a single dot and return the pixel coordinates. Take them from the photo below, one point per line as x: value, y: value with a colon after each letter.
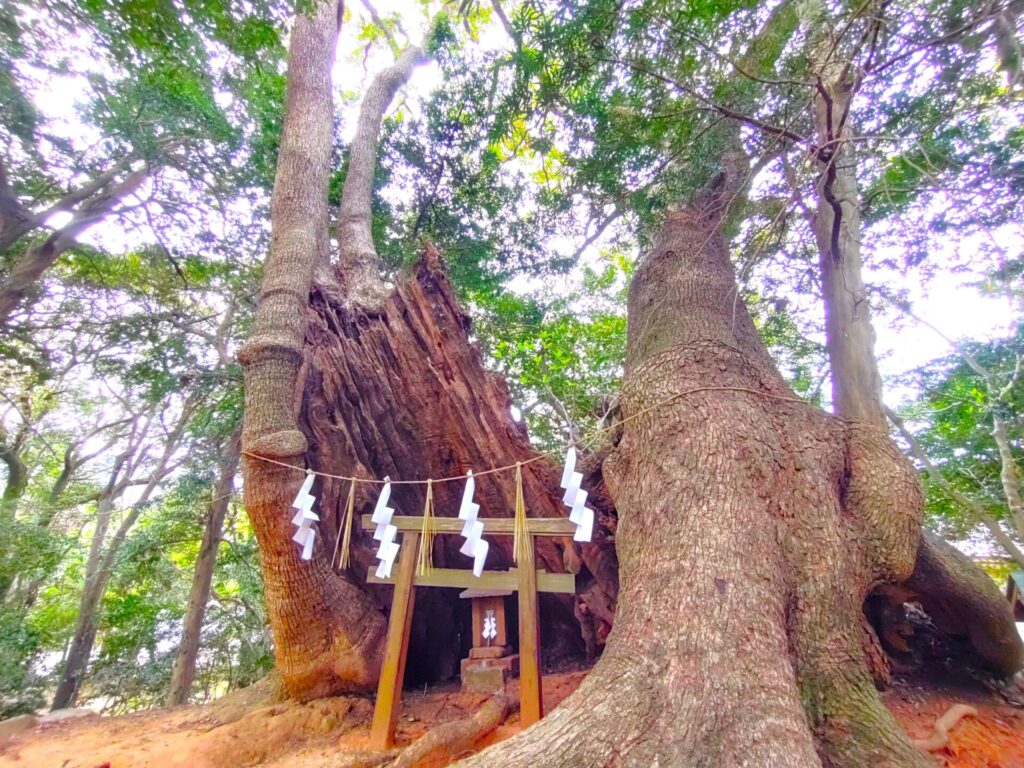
x: 751, y: 527
x: 103, y: 554
x: 946, y: 583
x: 856, y: 383
x: 185, y: 662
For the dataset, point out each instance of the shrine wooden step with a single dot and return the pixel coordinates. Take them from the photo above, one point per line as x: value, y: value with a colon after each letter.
x: 453, y: 577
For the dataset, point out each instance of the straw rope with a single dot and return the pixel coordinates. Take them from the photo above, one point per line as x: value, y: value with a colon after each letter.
x: 547, y: 454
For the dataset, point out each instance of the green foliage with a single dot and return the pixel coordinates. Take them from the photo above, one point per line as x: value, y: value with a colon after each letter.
x: 562, y: 351
x: 955, y: 413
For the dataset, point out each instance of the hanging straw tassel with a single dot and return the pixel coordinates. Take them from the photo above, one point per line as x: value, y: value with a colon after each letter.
x: 425, y: 557
x: 344, y: 543
x: 521, y: 549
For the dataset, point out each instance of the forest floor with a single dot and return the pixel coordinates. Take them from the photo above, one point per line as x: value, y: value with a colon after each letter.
x: 241, y: 730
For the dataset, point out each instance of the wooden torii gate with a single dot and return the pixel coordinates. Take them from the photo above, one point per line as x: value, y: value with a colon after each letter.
x: 527, y: 580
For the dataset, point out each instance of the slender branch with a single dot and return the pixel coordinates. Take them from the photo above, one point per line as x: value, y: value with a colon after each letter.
x: 615, y: 214
x: 968, y: 504
x: 503, y: 18
x: 720, y: 108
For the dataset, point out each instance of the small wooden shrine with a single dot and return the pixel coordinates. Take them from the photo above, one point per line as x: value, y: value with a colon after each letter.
x: 490, y: 662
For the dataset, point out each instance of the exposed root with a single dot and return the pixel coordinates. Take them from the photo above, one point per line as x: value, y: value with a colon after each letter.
x: 363, y: 759
x: 943, y: 725
x: 450, y: 741
x: 964, y: 602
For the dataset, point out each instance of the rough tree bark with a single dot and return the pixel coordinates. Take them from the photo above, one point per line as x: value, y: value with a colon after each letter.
x: 327, y: 631
x: 386, y: 383
x: 184, y: 671
x: 751, y: 528
x: 975, y: 601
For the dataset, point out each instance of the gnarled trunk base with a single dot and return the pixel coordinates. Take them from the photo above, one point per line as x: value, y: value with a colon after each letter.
x: 751, y: 528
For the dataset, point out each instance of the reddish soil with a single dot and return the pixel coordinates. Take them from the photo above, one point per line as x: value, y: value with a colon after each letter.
x: 242, y: 731
x: 993, y: 739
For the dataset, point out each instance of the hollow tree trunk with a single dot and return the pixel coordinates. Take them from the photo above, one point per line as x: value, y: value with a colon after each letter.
x: 751, y: 526
x: 400, y: 391
x: 946, y: 583
x: 184, y: 671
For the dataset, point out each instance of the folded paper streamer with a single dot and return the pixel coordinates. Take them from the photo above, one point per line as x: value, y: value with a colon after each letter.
x: 473, y: 529
x: 576, y: 498
x: 385, y: 532
x: 305, y: 517
x: 490, y: 627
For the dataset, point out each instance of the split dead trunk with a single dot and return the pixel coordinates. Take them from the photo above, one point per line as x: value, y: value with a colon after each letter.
x: 751, y: 527
x: 400, y: 391
x: 184, y: 671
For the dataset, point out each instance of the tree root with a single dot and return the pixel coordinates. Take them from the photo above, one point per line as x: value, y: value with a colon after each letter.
x: 449, y: 741
x: 963, y: 601
x: 940, y: 737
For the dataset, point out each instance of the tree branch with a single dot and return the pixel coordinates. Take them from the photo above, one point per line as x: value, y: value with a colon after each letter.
x: 968, y: 504
x: 30, y: 267
x: 357, y: 256
x: 719, y: 108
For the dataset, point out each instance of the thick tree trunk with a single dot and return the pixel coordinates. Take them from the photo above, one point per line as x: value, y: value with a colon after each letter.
x: 751, y: 528
x: 944, y: 581
x: 327, y: 631
x: 185, y: 662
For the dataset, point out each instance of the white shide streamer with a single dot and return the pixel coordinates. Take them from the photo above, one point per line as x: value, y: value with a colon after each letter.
x: 305, y: 517
x: 473, y: 529
x: 576, y: 498
x: 385, y: 532
x: 490, y: 631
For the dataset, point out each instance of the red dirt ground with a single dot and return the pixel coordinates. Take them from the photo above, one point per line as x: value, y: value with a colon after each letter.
x: 239, y: 731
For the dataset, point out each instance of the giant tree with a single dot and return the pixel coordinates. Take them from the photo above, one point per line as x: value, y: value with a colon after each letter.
x: 749, y: 526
